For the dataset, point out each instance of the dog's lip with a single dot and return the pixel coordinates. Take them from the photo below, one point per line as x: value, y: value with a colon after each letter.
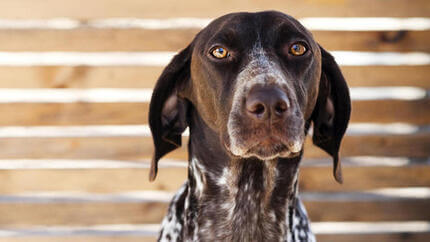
x: 271, y: 140
x: 270, y: 143
x: 289, y: 149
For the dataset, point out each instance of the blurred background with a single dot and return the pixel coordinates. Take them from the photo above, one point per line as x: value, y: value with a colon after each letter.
x: 76, y: 79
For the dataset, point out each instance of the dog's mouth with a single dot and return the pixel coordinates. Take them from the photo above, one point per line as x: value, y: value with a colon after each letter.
x: 266, y: 148
x: 271, y: 148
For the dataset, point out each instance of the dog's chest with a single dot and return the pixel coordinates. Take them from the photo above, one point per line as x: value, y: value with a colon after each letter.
x: 184, y: 224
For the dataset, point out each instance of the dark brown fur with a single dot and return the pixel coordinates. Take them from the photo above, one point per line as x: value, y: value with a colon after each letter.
x: 230, y: 197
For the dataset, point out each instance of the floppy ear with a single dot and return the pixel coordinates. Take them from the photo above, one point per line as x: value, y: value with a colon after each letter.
x: 332, y: 111
x: 168, y: 111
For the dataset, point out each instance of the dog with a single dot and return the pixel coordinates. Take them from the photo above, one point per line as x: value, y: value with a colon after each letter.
x: 248, y: 87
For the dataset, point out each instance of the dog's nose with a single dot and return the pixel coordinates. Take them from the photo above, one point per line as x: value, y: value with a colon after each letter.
x: 263, y: 103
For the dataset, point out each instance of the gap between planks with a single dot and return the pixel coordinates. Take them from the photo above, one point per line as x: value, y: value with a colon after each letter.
x: 154, y: 58
x: 354, y: 129
x: 64, y: 164
x: 312, y: 23
x: 152, y: 229
x: 142, y: 95
x: 147, y: 196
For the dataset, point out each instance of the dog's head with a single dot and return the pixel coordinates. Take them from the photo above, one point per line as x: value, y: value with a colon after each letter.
x: 258, y: 80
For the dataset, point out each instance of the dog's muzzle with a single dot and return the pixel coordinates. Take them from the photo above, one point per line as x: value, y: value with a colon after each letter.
x: 267, y: 124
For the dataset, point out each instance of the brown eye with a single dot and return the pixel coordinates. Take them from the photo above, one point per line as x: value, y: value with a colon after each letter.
x: 220, y: 52
x: 297, y: 49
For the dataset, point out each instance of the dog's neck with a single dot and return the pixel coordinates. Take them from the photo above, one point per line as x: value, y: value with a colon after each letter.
x: 233, y: 199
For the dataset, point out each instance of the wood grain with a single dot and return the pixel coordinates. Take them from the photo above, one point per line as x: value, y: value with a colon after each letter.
x: 315, y: 179
x: 82, y: 113
x: 394, y: 210
x: 378, y: 237
x: 24, y: 214
x: 372, y: 237
x: 194, y: 8
x: 414, y: 145
x: 90, y: 238
x: 146, y: 77
x: 94, y: 39
x: 105, y: 212
x: 362, y: 178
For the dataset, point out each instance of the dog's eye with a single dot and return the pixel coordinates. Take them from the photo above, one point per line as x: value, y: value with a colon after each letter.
x: 220, y: 52
x: 298, y: 49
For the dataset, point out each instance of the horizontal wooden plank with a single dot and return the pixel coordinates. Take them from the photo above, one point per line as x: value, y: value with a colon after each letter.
x: 89, y: 39
x: 368, y: 211
x: 416, y: 145
x: 108, y: 180
x: 79, y: 77
x: 30, y: 114
x: 131, y: 95
x: 90, y: 238
x: 93, y: 180
x: 359, y: 178
x: 84, y: 113
x: 374, y: 40
x: 389, y: 111
x: 392, y: 237
x: 111, y: 131
x: 407, y: 145
x: 374, y: 76
x: 325, y: 231
x: 145, y: 77
x: 102, y: 39
x: 157, y: 58
x: 169, y: 9
x: 130, y: 208
x: 23, y: 214
x: 71, y: 164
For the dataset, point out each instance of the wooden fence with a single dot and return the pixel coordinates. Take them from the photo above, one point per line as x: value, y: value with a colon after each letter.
x: 74, y: 140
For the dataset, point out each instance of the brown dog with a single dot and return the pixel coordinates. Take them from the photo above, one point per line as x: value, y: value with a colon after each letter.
x: 248, y: 87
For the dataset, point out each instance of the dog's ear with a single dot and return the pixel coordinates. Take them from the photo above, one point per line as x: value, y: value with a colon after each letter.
x: 168, y: 111
x: 332, y: 111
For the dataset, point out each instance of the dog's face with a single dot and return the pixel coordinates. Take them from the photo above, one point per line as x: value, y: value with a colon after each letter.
x: 254, y: 80
x: 257, y: 80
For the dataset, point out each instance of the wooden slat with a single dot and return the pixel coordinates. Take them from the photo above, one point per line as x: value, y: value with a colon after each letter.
x: 368, y: 210
x: 414, y: 145
x: 359, y: 178
x: 92, y: 180
x: 194, y: 8
x: 392, y: 237
x: 81, y: 148
x: 92, y: 39
x: 373, y: 40
x: 21, y: 214
x: 90, y: 238
x: 79, y: 77
x: 106, y: 211
x: 170, y: 179
x: 89, y: 39
x: 373, y: 76
x: 24, y: 214
x: 31, y: 114
x: 390, y: 111
x: 34, y: 114
x: 145, y: 77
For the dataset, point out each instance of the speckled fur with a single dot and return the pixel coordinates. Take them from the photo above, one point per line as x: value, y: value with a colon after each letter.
x: 243, y: 173
x: 245, y: 203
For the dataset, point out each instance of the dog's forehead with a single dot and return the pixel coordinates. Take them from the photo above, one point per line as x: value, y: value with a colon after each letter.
x: 252, y: 26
